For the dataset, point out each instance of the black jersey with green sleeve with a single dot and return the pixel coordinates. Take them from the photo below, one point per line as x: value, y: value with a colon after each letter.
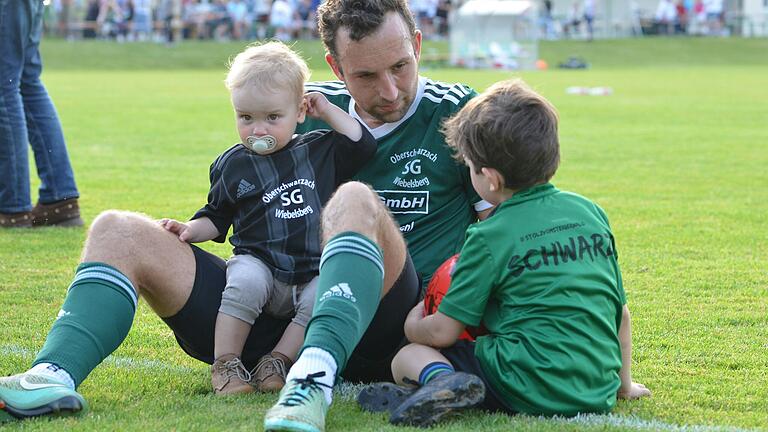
x: 428, y: 192
x: 542, y: 275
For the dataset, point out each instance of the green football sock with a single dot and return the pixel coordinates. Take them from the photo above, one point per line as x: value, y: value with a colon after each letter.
x: 93, y: 321
x: 348, y: 294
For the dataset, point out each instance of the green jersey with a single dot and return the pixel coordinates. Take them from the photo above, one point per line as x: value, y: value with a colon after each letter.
x: 428, y: 192
x: 541, y: 274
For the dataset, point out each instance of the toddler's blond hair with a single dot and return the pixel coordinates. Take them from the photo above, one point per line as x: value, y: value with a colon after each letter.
x: 269, y: 66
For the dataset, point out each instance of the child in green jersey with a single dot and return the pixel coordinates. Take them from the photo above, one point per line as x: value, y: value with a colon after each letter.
x: 540, y: 273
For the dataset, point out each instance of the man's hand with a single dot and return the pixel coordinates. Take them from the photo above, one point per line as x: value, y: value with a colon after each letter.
x: 635, y: 391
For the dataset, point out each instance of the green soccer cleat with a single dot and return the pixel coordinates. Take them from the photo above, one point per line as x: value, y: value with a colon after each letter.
x: 31, y: 395
x: 301, y: 407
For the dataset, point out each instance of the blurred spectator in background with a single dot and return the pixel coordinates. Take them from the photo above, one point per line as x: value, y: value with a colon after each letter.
x: 217, y: 22
x: 238, y: 16
x: 91, y: 15
x: 63, y: 9
x: 681, y: 24
x: 547, y: 27
x: 714, y: 10
x: 261, y: 10
x: 573, y: 20
x: 699, y: 21
x: 28, y: 118
x: 305, y: 22
x: 110, y: 18
x: 142, y: 20
x: 665, y: 17
x: 194, y: 17
x: 442, y: 15
x: 167, y: 12
x: 424, y: 11
x: 589, y: 18
x: 281, y: 20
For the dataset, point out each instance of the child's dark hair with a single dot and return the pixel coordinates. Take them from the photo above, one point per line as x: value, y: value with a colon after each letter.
x: 510, y: 128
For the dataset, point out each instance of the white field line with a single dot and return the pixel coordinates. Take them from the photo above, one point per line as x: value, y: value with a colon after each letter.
x: 348, y: 392
x: 124, y: 362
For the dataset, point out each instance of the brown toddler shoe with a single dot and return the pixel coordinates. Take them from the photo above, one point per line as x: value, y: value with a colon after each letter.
x: 269, y: 373
x: 64, y: 213
x: 229, y: 376
x: 16, y: 220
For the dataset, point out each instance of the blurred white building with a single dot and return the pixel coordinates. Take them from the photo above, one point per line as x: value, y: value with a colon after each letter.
x: 501, y: 34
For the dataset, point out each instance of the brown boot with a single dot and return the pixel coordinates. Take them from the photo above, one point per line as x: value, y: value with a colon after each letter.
x: 229, y: 376
x: 64, y: 213
x: 16, y: 220
x: 269, y: 373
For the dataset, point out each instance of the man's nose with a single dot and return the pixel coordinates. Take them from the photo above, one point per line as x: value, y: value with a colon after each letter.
x: 388, y: 88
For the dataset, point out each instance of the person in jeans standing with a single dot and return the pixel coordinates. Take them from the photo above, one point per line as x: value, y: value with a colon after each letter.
x: 27, y: 116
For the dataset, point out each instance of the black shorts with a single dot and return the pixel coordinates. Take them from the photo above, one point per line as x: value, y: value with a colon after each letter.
x: 194, y: 324
x: 462, y: 357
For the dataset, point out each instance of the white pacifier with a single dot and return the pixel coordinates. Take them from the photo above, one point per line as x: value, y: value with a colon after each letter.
x: 261, y: 144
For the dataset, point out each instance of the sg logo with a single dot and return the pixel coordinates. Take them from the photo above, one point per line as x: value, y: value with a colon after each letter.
x: 293, y: 196
x: 412, y: 167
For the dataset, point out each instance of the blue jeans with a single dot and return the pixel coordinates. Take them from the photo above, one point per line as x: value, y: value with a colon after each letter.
x: 27, y: 115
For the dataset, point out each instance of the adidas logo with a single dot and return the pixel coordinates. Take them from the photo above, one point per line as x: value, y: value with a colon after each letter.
x: 244, y: 187
x: 339, y: 290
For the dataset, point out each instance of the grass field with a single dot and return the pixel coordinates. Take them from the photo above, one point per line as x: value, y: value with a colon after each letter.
x: 677, y: 156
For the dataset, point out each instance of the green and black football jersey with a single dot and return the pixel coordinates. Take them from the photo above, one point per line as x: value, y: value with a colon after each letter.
x: 428, y: 192
x: 541, y: 273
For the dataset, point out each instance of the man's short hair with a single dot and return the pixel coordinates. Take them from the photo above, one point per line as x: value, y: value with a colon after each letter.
x: 510, y: 128
x: 272, y: 65
x: 360, y: 17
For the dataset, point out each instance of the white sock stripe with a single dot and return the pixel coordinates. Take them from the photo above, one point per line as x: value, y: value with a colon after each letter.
x: 101, y: 273
x: 109, y: 275
x: 350, y: 239
x: 110, y: 271
x: 356, y: 246
x: 375, y: 259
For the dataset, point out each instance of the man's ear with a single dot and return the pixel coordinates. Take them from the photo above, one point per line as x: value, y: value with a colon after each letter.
x: 495, y: 179
x: 335, y: 67
x: 417, y: 45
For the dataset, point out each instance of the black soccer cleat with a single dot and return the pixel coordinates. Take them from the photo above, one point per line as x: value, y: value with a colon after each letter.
x: 383, y: 396
x: 436, y: 399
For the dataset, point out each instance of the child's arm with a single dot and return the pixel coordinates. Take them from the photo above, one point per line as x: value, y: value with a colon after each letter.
x: 437, y: 330
x: 628, y: 389
x: 319, y: 107
x: 194, y: 231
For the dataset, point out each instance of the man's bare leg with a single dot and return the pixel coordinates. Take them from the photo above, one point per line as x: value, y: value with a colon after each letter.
x: 161, y: 268
x: 125, y: 255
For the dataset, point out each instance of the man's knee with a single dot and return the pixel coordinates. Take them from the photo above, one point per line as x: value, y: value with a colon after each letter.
x: 121, y: 228
x: 353, y: 207
x: 118, y: 238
